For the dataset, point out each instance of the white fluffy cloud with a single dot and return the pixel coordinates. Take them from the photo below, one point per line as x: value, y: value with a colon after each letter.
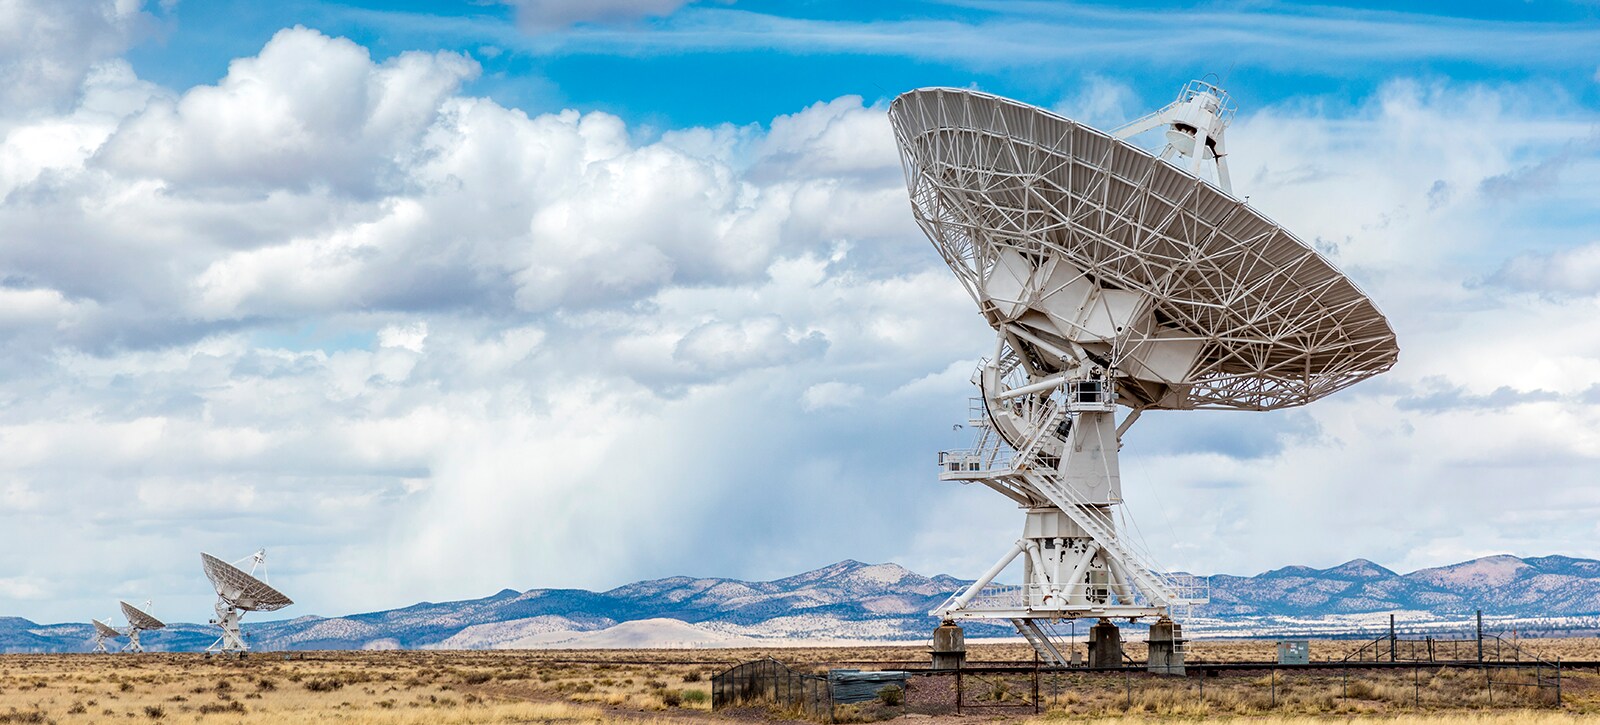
x: 48, y: 47
x: 331, y: 306
x: 309, y: 110
x: 1570, y: 271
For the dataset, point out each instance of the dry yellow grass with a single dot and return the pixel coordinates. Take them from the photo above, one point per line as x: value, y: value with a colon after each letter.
x: 1522, y: 717
x: 357, y: 688
x: 674, y: 686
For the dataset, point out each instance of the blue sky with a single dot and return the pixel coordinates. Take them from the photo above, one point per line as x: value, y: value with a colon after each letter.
x: 746, y: 62
x: 433, y: 299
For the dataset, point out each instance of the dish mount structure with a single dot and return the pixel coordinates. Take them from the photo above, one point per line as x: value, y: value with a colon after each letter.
x: 1114, y: 279
x: 239, y: 591
x: 139, y: 620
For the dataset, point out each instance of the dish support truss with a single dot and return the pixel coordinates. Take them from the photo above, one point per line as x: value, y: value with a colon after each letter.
x: 133, y: 641
x: 1051, y: 446
x: 232, y: 640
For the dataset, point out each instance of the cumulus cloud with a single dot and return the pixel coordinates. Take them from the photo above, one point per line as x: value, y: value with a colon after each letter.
x: 47, y: 48
x: 334, y: 297
x: 1565, y: 272
x: 409, y: 337
x: 308, y: 110
x: 332, y: 306
x: 760, y: 342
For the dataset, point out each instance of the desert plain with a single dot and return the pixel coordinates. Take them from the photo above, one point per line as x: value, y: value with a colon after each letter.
x: 674, y: 686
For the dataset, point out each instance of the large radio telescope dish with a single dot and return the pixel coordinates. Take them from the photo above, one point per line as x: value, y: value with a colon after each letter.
x: 239, y: 591
x: 1112, y: 276
x: 1087, y: 241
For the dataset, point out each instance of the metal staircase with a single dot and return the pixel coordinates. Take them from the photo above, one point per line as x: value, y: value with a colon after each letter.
x: 1145, y: 573
x: 1025, y: 457
x: 1049, y: 654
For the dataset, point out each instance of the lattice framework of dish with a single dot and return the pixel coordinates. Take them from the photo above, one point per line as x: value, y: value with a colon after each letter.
x: 241, y: 589
x: 140, y: 619
x: 1219, y: 306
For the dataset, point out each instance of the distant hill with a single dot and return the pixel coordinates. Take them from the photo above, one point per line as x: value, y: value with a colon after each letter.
x: 851, y: 600
x: 1499, y: 585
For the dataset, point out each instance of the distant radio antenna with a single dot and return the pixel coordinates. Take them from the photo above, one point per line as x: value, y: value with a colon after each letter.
x: 139, y: 620
x: 239, y: 591
x: 103, y: 632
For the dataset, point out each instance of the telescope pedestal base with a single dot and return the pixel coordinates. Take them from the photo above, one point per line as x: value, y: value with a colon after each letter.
x: 949, y: 646
x: 1166, y: 648
x: 1105, y: 645
x: 232, y: 640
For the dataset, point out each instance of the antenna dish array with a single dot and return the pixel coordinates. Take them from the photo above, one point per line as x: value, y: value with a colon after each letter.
x: 1111, y: 276
x: 239, y: 591
x: 139, y: 620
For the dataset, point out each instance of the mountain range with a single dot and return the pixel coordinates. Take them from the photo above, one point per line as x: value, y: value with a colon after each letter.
x: 852, y: 601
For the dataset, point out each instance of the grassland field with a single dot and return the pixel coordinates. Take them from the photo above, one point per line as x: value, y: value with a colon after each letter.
x: 674, y: 686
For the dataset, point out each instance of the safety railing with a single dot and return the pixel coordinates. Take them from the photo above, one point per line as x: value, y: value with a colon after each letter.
x: 1078, y: 596
x: 992, y: 459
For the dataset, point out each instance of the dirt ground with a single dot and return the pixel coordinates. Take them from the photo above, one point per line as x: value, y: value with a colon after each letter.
x: 674, y: 686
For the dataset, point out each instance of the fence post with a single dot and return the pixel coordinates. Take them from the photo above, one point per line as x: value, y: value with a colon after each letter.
x: 1036, y: 683
x: 1392, y: 641
x: 958, y: 690
x: 1274, y: 687
x: 1480, y: 635
x: 1416, y: 687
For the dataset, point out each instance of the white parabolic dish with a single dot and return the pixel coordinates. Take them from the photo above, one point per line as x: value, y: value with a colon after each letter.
x: 105, y: 630
x: 1090, y: 243
x: 140, y: 619
x: 240, y: 589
